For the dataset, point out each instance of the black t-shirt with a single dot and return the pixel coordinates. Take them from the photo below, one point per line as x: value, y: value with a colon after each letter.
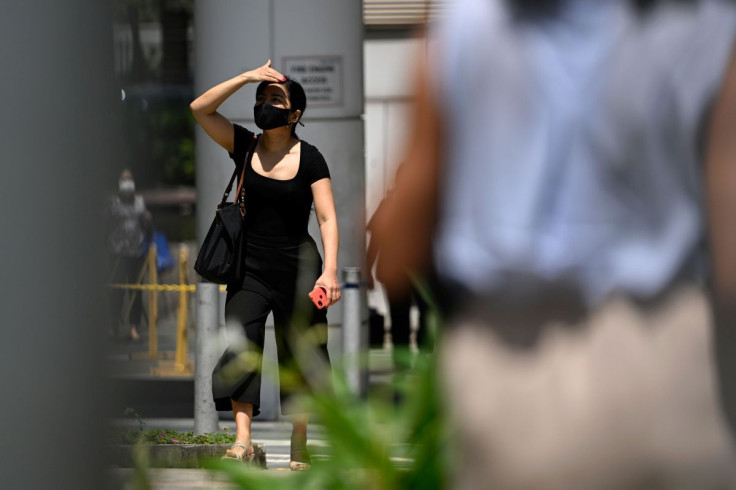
x: 278, y: 208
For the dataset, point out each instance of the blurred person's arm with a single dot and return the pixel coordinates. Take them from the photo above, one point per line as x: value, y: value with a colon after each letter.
x: 371, y: 253
x: 720, y: 183
x: 370, y: 259
x: 405, y: 229
x: 204, y: 107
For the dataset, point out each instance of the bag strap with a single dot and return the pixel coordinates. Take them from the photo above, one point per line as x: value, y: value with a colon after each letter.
x: 228, y: 189
x: 240, y: 191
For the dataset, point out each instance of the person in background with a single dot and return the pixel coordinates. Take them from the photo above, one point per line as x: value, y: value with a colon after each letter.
x: 568, y: 161
x: 129, y: 230
x: 400, y: 303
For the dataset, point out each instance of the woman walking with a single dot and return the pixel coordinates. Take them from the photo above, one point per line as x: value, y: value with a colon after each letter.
x: 283, y: 176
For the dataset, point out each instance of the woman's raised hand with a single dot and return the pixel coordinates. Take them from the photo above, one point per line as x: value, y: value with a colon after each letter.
x: 264, y: 74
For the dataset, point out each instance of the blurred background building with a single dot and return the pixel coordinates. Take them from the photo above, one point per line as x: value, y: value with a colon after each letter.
x: 155, y: 64
x: 166, y: 52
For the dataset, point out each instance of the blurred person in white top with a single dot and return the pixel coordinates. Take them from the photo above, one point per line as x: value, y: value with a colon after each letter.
x: 129, y: 231
x: 571, y: 179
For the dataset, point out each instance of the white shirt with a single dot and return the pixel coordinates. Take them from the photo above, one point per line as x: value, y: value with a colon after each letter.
x: 573, y: 142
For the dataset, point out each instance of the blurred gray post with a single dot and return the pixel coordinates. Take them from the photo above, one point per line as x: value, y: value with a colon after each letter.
x: 208, y: 319
x: 221, y: 313
x: 59, y: 113
x: 355, y: 340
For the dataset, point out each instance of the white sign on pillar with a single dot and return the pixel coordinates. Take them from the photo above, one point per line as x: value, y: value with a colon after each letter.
x: 321, y: 77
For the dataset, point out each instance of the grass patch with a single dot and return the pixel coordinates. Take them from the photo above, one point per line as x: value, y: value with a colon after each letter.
x: 157, y: 436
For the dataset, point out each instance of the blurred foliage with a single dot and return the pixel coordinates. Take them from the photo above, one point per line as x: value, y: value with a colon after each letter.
x: 159, y: 143
x: 372, y: 444
x: 173, y: 148
x: 396, y: 439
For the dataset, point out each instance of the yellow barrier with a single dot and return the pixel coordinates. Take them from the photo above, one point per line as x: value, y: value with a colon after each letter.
x: 152, y: 304
x: 150, y: 264
x: 190, y: 288
x: 180, y: 365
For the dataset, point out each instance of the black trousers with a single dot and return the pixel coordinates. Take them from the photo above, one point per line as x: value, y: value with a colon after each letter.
x: 278, y: 275
x: 125, y: 270
x: 399, y: 309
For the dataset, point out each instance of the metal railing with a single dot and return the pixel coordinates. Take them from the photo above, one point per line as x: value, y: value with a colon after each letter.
x: 207, y: 296
x: 170, y: 363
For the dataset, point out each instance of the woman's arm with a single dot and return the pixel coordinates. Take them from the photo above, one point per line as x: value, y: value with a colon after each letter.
x: 370, y: 258
x: 720, y: 186
x: 324, y: 206
x: 371, y: 253
x: 204, y: 107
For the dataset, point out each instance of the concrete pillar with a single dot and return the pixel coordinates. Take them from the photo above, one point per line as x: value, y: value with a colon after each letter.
x: 208, y: 318
x: 318, y: 43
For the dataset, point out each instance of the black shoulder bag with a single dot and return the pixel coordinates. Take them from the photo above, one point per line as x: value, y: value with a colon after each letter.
x: 219, y: 257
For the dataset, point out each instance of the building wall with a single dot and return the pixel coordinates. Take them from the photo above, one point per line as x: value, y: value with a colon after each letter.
x: 389, y: 94
x: 388, y: 67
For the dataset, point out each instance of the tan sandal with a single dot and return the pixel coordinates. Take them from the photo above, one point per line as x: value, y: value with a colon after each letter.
x: 300, y: 459
x: 299, y: 466
x: 245, y: 457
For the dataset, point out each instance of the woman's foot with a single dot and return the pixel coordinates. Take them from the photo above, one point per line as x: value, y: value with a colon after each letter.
x: 299, y: 466
x: 241, y: 452
x: 299, y: 455
x: 134, y: 335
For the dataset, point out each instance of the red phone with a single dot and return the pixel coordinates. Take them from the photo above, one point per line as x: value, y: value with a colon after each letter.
x: 319, y: 297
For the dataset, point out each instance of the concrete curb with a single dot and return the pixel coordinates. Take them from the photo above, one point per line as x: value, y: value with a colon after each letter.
x: 176, y: 455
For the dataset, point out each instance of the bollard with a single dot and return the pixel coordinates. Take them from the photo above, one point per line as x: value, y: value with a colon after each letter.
x: 182, y: 314
x: 223, y: 300
x: 152, y: 268
x: 208, y: 313
x: 181, y: 365
x: 354, y: 342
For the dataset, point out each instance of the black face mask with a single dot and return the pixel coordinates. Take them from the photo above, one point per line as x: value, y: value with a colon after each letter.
x: 270, y: 117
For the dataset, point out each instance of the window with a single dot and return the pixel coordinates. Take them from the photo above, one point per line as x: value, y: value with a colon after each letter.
x: 387, y: 14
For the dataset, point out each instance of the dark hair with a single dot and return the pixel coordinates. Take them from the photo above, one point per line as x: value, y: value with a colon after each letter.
x: 297, y: 97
